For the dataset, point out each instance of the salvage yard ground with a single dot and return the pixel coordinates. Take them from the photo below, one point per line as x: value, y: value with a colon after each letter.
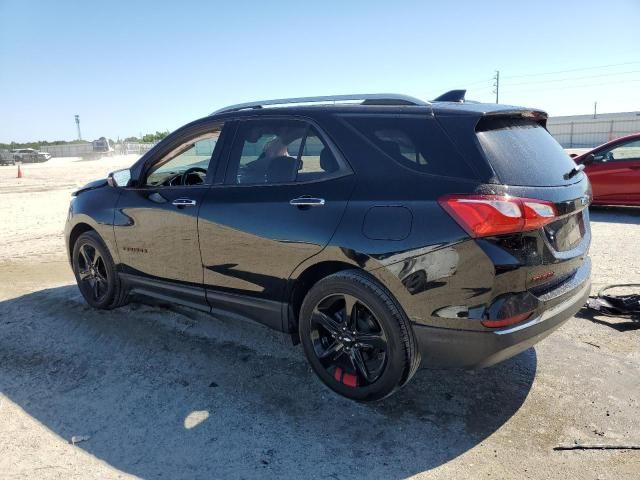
x: 168, y: 392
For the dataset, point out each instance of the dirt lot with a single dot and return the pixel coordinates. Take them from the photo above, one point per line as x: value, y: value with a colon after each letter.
x: 171, y: 393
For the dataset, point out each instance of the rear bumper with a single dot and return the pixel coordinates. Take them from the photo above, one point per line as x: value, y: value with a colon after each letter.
x: 445, y: 347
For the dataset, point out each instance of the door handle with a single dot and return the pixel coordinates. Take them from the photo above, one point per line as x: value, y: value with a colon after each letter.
x: 183, y: 202
x: 307, y: 202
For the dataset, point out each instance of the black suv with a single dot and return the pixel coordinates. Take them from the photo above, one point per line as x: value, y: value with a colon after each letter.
x: 378, y: 230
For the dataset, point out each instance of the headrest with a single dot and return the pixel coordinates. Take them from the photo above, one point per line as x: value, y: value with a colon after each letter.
x: 328, y: 162
x: 391, y: 148
x: 282, y: 169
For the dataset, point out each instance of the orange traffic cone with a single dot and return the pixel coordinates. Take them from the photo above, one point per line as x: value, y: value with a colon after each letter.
x: 19, y: 172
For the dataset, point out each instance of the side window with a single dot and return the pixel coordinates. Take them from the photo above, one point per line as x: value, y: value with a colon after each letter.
x: 316, y: 158
x: 398, y: 145
x: 187, y: 164
x: 279, y: 151
x: 626, y: 151
x: 412, y: 141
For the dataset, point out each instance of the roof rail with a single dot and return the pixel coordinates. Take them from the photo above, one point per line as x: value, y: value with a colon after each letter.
x: 367, y: 99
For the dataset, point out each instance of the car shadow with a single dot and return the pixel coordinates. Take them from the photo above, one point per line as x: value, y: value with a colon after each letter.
x: 176, y: 393
x: 627, y: 215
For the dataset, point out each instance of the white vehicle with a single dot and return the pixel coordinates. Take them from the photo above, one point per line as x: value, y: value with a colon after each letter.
x: 30, y: 155
x: 102, y: 145
x: 6, y: 158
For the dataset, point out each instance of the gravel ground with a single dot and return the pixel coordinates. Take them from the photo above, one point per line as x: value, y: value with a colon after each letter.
x: 171, y: 393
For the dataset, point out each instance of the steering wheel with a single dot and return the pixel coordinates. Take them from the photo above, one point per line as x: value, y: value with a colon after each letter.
x: 191, y: 170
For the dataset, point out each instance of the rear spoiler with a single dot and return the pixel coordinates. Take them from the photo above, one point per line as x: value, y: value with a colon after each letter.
x: 538, y: 116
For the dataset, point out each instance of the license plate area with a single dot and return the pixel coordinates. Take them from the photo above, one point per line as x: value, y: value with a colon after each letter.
x: 565, y: 233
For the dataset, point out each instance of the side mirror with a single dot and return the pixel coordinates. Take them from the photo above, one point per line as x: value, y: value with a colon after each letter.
x: 119, y: 178
x: 589, y: 159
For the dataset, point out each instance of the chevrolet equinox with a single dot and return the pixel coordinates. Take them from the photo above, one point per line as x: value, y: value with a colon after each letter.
x: 379, y: 231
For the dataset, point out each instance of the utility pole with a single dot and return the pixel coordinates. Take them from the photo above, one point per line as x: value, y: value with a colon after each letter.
x: 496, y: 84
x: 595, y: 109
x: 78, y: 125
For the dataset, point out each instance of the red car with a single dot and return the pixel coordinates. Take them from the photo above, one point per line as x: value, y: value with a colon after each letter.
x: 614, y: 171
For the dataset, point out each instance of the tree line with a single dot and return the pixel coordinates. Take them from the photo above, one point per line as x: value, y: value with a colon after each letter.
x: 41, y: 144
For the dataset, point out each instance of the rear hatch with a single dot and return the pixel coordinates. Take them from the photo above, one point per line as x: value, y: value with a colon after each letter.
x: 531, y: 168
x: 528, y: 160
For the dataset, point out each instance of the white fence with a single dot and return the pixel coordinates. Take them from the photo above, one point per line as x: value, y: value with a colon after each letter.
x: 69, y: 150
x: 591, y: 133
x: 84, y: 149
x: 137, y: 148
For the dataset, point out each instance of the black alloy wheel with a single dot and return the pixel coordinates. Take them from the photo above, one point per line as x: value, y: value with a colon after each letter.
x: 95, y: 272
x: 92, y: 272
x: 356, y: 337
x: 348, y: 340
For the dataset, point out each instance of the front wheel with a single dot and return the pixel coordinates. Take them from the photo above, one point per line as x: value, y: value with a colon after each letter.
x: 95, y: 272
x: 356, y: 337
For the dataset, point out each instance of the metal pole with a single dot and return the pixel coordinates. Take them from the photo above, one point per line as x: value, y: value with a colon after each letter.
x: 595, y: 109
x: 496, y: 84
x: 611, y: 136
x: 78, y: 125
x: 571, y: 136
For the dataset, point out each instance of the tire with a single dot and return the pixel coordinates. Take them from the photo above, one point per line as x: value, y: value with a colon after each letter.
x: 364, y: 356
x: 92, y: 264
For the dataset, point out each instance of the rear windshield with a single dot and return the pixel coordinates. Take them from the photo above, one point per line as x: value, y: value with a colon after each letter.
x: 415, y: 142
x: 522, y: 152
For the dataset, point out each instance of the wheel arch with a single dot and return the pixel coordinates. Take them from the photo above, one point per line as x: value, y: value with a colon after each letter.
x: 306, y: 280
x: 76, y: 231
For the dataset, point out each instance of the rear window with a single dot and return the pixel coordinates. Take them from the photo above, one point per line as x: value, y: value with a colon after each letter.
x: 522, y: 152
x: 415, y: 142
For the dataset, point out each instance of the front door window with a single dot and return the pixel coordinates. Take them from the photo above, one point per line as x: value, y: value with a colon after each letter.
x: 625, y: 151
x: 185, y: 165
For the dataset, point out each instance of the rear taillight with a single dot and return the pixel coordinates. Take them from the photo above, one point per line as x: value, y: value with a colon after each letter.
x: 489, y: 215
x: 505, y: 322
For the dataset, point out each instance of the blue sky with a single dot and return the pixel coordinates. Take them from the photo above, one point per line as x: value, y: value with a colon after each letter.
x: 131, y: 67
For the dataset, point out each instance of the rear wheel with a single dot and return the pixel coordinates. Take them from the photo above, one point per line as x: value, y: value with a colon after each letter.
x: 95, y: 272
x: 356, y: 337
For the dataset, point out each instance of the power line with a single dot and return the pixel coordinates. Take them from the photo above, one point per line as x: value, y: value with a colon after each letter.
x: 574, y: 78
x: 483, y: 89
x: 490, y: 83
x: 483, y: 82
x: 464, y: 85
x: 572, y: 70
x: 564, y: 87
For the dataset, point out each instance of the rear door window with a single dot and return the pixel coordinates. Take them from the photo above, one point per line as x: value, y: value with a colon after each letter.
x: 277, y: 151
x: 415, y: 142
x: 522, y: 152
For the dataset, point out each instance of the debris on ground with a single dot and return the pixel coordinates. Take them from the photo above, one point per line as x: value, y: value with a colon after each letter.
x: 621, y: 305
x: 596, y: 446
x: 79, y: 438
